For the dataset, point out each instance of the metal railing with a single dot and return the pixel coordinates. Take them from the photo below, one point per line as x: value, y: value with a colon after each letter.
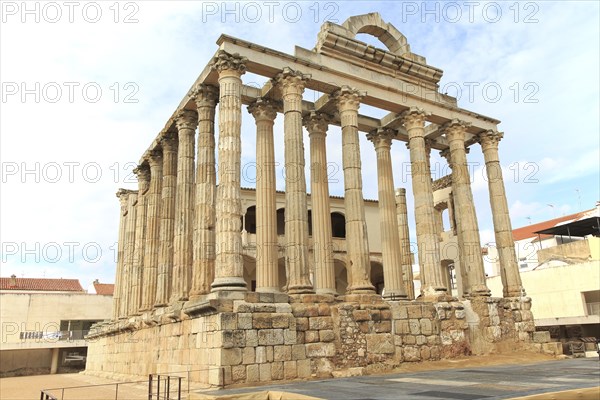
x: 53, y: 336
x: 159, y: 387
x: 70, y: 392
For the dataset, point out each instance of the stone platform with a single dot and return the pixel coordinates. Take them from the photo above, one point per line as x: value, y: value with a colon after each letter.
x: 244, y: 338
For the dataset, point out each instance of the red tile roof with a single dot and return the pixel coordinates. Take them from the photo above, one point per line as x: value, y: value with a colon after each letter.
x: 528, y: 231
x: 41, y: 284
x: 105, y: 289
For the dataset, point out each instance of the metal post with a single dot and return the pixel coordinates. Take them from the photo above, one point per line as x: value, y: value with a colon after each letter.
x: 158, y: 388
x: 150, y: 387
x: 116, y: 391
x: 179, y: 392
x: 168, y: 392
x: 62, y: 395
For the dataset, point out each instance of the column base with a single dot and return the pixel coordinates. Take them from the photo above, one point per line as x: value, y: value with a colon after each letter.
x: 395, y: 296
x: 514, y: 291
x: 229, y: 284
x: 361, y: 288
x: 306, y: 289
x: 480, y: 291
x: 330, y: 292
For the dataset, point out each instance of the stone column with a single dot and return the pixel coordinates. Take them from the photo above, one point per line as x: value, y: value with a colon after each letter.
x: 470, y: 256
x: 404, y: 236
x: 206, y: 190
x: 267, y: 272
x: 511, y: 279
x: 143, y: 176
x: 388, y: 223
x: 122, y: 194
x: 150, y: 272
x: 128, y: 252
x: 167, y: 219
x: 432, y: 280
x: 186, y: 122
x: 317, y: 124
x: 229, y: 265
x: 296, y: 216
x: 358, y: 264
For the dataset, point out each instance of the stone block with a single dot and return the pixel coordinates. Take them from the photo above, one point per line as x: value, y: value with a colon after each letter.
x: 277, y: 370
x: 282, y: 353
x: 383, y: 326
x: 402, y: 327
x: 298, y: 352
x: 302, y: 324
x: 270, y: 337
x: 460, y: 314
x: 414, y: 326
x: 316, y: 323
x: 554, y: 348
x: 283, y: 308
x: 228, y: 320
x: 265, y: 372
x: 264, y: 308
x: 281, y: 321
x: 235, y: 338
x: 244, y: 321
x: 409, y: 339
x: 311, y: 336
x: 251, y: 338
x: 248, y: 355
x: 231, y: 356
x: 252, y: 297
x: 414, y: 311
x: 375, y: 315
x: 303, y: 368
x: 262, y: 320
x: 361, y: 315
x: 238, y: 373
x: 290, y: 336
x: 261, y: 355
x: 399, y: 311
x: 380, y: 343
x: 280, y: 298
x: 324, y: 309
x: 299, y: 310
x: 421, y: 340
x: 289, y: 370
x: 425, y: 353
x: 252, y: 373
x: 326, y: 335
x: 324, y: 367
x: 320, y: 350
x: 541, y: 337
x: 411, y: 354
x: 386, y: 314
x: 426, y: 326
x: 312, y: 310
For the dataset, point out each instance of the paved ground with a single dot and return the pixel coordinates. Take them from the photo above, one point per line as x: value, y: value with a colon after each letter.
x: 464, y: 383
x: 497, y: 382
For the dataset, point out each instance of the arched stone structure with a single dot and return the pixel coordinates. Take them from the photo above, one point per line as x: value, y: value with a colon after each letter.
x: 373, y: 24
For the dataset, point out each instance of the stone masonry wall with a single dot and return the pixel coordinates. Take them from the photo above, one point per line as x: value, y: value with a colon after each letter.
x: 262, y: 337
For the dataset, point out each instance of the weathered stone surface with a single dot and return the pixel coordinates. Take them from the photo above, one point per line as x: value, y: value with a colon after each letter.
x: 380, y: 344
x: 541, y: 337
x: 303, y: 367
x: 320, y: 350
x: 270, y: 337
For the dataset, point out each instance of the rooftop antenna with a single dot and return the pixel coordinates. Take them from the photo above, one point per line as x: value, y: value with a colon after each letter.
x: 528, y: 219
x: 552, y: 207
x: 578, y: 198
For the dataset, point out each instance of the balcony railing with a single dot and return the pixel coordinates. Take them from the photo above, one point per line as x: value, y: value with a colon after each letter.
x: 53, y: 335
x: 593, y: 308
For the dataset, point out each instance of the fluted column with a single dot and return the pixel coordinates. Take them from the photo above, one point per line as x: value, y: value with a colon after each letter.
x: 203, y: 271
x: 128, y: 253
x: 186, y: 122
x: 432, y: 281
x: 229, y: 265
x: 296, y: 217
x: 511, y: 279
x: 316, y: 124
x: 143, y: 176
x: 150, y: 271
x: 167, y: 219
x: 267, y: 272
x: 358, y: 264
x: 388, y: 223
x: 471, y: 259
x: 122, y: 195
x: 404, y: 236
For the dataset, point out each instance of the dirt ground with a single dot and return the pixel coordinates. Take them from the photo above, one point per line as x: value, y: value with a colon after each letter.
x: 28, y: 387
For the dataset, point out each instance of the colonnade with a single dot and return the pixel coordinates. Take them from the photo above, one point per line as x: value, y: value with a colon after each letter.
x: 180, y: 233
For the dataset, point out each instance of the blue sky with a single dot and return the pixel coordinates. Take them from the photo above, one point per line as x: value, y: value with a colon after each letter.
x: 85, y: 90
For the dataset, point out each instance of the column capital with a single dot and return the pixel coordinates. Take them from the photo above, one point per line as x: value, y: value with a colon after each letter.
x: 186, y: 119
x: 205, y: 95
x: 489, y: 139
x: 224, y: 61
x: 291, y: 80
x: 263, y: 110
x: 348, y: 98
x: 455, y: 129
x: 382, y: 137
x: 316, y: 123
x: 155, y: 158
x: 143, y: 174
x: 414, y: 117
x: 123, y: 196
x: 400, y: 192
x: 168, y: 143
